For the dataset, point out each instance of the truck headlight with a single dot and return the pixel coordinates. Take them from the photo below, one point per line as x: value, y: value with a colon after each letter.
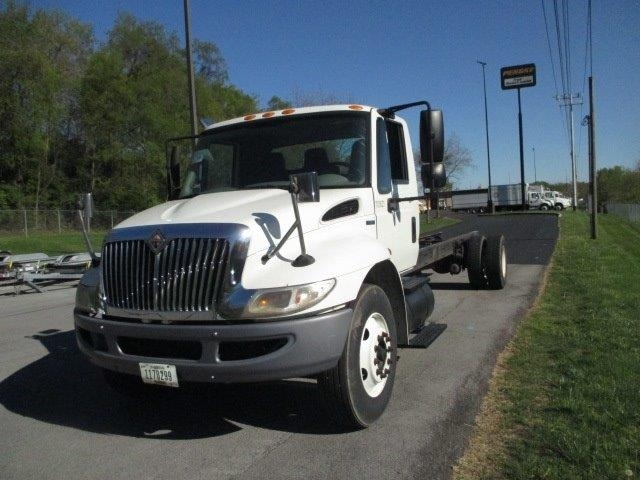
x: 276, y: 302
x: 88, y: 292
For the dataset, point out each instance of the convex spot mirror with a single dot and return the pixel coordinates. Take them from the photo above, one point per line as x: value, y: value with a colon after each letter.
x: 433, y: 175
x: 305, y: 186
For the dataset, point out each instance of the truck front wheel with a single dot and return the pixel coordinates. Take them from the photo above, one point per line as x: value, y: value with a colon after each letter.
x: 360, y: 386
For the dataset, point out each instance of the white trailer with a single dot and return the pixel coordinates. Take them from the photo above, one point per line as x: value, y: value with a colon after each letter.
x: 504, y: 197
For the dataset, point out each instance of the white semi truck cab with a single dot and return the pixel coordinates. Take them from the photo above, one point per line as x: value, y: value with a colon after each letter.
x: 559, y: 200
x: 289, y: 247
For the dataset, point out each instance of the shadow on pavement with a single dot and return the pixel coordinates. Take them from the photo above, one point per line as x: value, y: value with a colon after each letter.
x: 451, y: 286
x: 63, y: 388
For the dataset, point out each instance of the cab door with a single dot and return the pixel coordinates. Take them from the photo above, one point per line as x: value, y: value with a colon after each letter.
x: 397, y: 229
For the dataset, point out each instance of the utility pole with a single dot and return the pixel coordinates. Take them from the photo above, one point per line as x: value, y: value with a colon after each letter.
x: 535, y: 172
x: 192, y: 89
x: 486, y: 128
x: 593, y: 184
x: 569, y: 100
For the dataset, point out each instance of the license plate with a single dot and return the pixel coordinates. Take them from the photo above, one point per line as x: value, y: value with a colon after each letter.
x: 159, y: 374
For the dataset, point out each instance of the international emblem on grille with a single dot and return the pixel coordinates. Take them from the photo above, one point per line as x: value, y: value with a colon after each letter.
x: 157, y: 242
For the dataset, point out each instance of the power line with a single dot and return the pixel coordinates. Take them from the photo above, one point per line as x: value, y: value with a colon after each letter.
x: 587, y: 57
x: 567, y: 43
x: 553, y: 67
x: 559, y: 41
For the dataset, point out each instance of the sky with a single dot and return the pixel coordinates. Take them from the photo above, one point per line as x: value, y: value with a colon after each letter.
x: 383, y: 53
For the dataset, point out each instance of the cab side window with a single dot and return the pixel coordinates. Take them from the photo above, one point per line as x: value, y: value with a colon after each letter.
x: 397, y: 151
x: 384, y: 158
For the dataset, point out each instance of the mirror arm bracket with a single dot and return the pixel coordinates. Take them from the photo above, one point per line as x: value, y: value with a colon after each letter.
x: 392, y: 203
x: 304, y: 259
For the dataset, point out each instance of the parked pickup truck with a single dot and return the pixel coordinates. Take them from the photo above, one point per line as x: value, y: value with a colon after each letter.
x: 289, y: 247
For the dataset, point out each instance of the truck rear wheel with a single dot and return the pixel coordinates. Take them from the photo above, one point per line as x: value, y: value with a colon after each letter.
x: 496, y: 262
x: 360, y: 386
x: 477, y: 267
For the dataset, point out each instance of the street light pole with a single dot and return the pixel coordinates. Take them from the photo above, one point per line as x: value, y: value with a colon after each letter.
x: 486, y: 127
x: 192, y: 87
x: 535, y: 172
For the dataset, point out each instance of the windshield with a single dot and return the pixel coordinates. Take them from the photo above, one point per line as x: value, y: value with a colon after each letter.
x: 262, y: 154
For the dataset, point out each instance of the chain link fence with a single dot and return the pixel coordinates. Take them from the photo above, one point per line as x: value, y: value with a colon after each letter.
x: 25, y: 222
x: 630, y: 211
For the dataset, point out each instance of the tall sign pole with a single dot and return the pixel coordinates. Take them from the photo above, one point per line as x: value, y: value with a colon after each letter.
x: 522, y: 189
x: 519, y: 76
x: 192, y: 89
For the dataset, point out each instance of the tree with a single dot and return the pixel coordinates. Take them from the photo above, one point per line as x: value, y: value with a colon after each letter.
x: 209, y: 63
x: 41, y: 59
x: 277, y: 103
x: 457, y: 159
x: 134, y: 97
x: 618, y: 185
x: 77, y: 118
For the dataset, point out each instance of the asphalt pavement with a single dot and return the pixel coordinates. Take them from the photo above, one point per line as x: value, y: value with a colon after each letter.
x: 60, y: 420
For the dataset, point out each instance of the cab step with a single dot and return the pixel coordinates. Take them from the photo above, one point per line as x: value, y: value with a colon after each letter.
x: 427, y: 335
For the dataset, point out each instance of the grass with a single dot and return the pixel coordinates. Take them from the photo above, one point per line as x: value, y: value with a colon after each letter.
x: 435, y: 224
x: 51, y: 243
x: 564, y: 402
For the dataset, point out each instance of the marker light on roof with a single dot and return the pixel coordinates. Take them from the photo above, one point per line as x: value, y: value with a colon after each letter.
x: 288, y: 111
x: 249, y: 117
x: 356, y: 107
x: 268, y: 114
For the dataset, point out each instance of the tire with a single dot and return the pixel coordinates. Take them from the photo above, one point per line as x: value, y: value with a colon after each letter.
x: 496, y: 262
x: 477, y: 262
x: 544, y: 206
x: 559, y: 206
x: 358, y: 389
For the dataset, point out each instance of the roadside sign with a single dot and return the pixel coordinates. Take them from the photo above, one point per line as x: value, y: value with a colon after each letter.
x: 518, y: 76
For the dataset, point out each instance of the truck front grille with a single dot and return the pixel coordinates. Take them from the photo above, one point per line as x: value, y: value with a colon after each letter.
x: 185, y: 276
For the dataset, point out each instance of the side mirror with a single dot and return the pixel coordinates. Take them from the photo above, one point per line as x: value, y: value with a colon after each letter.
x: 305, y: 187
x: 431, y: 136
x: 85, y: 212
x: 173, y: 173
x: 85, y: 206
x: 433, y: 175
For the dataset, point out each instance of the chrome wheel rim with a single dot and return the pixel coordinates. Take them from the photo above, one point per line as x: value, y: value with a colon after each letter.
x: 375, y: 354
